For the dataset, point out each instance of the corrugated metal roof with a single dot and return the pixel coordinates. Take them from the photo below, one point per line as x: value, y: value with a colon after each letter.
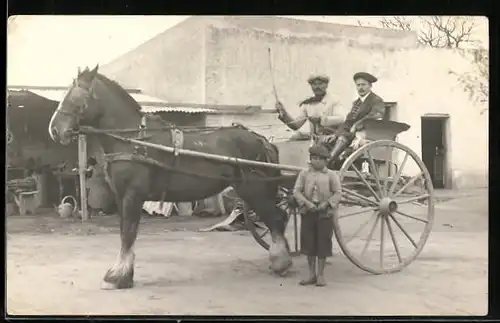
x: 149, y: 104
x: 149, y: 109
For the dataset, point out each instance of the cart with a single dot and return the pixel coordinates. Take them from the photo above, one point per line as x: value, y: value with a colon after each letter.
x: 375, y: 185
x: 379, y: 179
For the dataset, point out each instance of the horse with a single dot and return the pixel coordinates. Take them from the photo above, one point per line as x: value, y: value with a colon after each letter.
x: 94, y: 101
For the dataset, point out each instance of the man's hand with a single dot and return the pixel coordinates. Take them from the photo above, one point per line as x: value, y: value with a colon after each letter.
x: 358, y: 126
x: 315, y: 120
x: 280, y: 108
x: 327, y: 140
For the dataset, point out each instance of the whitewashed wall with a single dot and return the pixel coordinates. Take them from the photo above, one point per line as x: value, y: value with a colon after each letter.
x: 418, y: 79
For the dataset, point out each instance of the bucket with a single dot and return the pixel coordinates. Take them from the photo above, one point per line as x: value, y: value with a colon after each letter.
x: 66, y: 209
x: 184, y: 208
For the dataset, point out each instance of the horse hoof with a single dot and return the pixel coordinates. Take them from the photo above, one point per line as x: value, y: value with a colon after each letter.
x: 114, y: 286
x: 283, y: 273
x: 108, y: 286
x: 282, y: 269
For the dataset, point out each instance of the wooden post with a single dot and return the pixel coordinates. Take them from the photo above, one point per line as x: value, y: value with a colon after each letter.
x: 82, y: 166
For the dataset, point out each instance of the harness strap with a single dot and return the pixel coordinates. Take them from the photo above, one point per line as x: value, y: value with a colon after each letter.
x: 115, y: 157
x: 178, y: 142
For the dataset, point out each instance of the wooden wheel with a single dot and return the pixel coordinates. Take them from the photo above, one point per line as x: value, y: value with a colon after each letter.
x: 389, y: 190
x: 261, y: 233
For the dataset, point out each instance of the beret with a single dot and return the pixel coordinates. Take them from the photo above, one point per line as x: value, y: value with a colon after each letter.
x: 319, y: 150
x: 321, y: 77
x: 365, y: 76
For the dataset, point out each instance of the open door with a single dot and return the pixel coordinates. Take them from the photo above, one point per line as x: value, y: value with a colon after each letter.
x: 434, y: 148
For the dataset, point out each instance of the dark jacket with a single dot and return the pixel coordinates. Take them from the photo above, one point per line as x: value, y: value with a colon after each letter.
x: 372, y: 108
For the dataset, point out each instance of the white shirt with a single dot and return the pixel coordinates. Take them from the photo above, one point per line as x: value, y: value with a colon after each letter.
x: 329, y: 106
x: 363, y: 98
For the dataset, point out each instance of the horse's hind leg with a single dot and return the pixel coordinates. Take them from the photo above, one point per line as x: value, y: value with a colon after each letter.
x: 259, y: 198
x: 121, y: 275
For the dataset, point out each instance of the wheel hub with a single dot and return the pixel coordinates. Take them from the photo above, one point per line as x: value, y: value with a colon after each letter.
x: 387, y: 206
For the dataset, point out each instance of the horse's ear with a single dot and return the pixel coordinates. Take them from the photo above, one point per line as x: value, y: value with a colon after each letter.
x: 94, y: 71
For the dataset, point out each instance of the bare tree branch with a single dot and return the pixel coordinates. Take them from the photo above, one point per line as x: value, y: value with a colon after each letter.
x: 450, y: 32
x: 396, y: 22
x: 434, y: 31
x: 476, y: 82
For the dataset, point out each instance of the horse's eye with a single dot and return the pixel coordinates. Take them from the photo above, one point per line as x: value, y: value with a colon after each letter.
x: 81, y: 107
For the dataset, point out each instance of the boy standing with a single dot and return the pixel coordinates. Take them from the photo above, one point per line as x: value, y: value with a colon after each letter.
x: 318, y: 192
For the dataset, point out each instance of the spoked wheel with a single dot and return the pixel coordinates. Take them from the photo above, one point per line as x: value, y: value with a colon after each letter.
x: 390, y: 195
x: 261, y: 233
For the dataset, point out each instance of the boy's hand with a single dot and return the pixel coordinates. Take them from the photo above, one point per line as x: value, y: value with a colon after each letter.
x: 323, y: 206
x: 311, y: 206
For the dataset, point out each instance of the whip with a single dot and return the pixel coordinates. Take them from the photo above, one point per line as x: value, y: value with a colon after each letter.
x: 272, y: 74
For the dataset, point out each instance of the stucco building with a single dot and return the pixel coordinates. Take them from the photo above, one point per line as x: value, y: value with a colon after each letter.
x: 225, y: 60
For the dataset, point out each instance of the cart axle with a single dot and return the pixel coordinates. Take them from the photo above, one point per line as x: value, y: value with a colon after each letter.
x: 387, y: 206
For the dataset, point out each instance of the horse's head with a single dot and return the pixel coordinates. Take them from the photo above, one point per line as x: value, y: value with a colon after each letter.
x: 78, y: 107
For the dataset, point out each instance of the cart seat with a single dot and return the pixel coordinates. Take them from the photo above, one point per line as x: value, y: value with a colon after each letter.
x: 378, y: 130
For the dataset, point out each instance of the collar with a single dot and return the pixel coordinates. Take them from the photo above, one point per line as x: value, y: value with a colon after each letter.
x: 325, y: 98
x: 324, y: 170
x: 363, y: 98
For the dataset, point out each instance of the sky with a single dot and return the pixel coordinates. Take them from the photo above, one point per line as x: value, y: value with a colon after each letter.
x: 47, y: 50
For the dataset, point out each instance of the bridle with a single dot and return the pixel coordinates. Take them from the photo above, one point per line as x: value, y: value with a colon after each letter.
x: 87, y: 94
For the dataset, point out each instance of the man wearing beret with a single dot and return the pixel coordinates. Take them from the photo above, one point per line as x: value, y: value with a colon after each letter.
x: 367, y: 106
x: 318, y: 192
x: 322, y: 109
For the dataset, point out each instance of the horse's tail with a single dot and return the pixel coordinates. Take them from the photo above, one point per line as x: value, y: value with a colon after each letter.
x: 271, y: 150
x: 271, y: 153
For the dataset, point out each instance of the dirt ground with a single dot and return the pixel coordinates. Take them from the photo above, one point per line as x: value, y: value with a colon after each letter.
x: 55, y: 266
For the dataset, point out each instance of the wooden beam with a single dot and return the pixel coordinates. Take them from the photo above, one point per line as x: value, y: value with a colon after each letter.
x: 82, y: 166
x: 221, y: 158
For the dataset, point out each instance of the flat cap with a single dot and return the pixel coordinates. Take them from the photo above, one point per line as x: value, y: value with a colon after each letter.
x: 365, y: 76
x: 321, y: 77
x: 319, y: 150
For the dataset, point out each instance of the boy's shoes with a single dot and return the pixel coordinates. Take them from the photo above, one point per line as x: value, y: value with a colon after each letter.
x: 309, y: 281
x: 320, y: 282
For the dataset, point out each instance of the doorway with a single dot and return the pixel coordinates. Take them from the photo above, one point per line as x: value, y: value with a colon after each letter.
x: 434, y: 148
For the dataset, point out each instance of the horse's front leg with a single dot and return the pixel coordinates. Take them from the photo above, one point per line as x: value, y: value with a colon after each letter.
x: 121, y: 275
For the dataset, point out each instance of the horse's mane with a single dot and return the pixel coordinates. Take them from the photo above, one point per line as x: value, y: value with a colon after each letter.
x: 129, y: 99
x: 117, y: 88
